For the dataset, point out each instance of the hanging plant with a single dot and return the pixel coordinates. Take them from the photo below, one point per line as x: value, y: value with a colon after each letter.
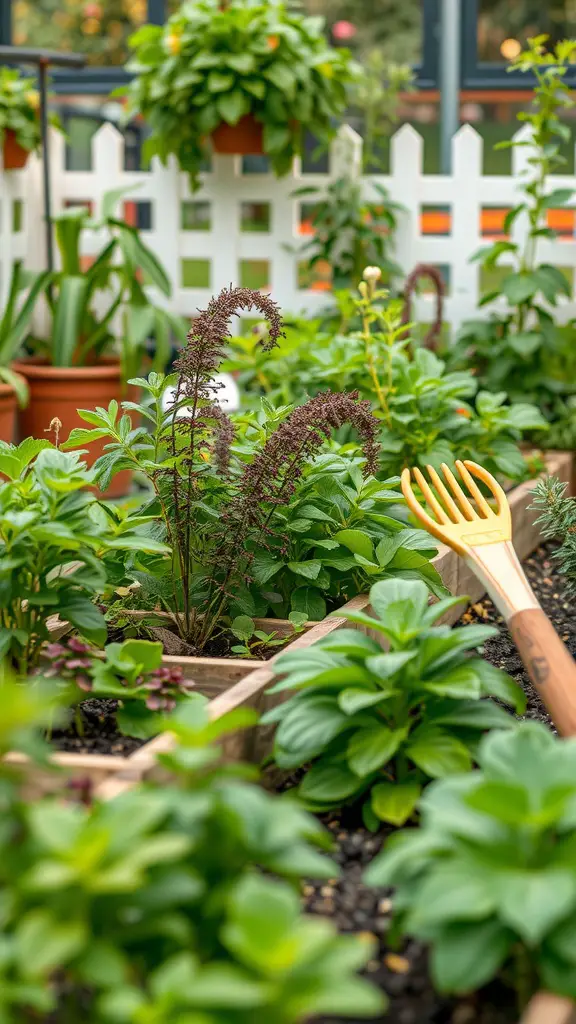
x: 251, y: 77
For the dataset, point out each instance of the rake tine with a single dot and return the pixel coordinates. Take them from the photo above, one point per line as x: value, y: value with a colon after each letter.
x: 465, y: 505
x: 490, y: 482
x: 447, y: 498
x: 413, y: 503
x: 474, y: 489
x: 430, y: 497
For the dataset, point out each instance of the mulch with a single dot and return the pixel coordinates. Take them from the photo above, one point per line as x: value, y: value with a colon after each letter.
x: 403, y: 972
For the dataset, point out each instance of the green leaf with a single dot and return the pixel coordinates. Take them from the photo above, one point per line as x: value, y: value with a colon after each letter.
x: 437, y: 753
x: 559, y: 197
x: 276, y: 137
x: 453, y: 890
x: 467, y: 956
x: 352, y: 700
x: 232, y: 106
x: 243, y: 627
x: 282, y: 76
x: 399, y: 603
x: 87, y: 618
x: 139, y: 256
x: 563, y: 940
x: 518, y: 288
x: 219, y: 81
x: 395, y: 801
x: 369, y: 749
x: 532, y: 902
x: 526, y: 343
x: 458, y: 682
x: 310, y: 569
x: 328, y: 784
x: 502, y: 800
x: 386, y: 665
x: 68, y: 319
x: 309, y: 725
x: 243, y: 63
x: 309, y: 601
x: 54, y: 825
x: 357, y: 542
x: 43, y: 943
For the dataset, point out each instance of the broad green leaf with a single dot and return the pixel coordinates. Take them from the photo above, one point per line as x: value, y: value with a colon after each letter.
x: 328, y: 784
x: 533, y: 901
x: 310, y: 569
x: 243, y: 627
x: 467, y: 956
x: 87, y: 618
x: 438, y: 753
x: 369, y: 749
x: 43, y: 943
x: 310, y: 601
x: 395, y: 801
x: 453, y: 890
x: 357, y: 542
x: 518, y: 288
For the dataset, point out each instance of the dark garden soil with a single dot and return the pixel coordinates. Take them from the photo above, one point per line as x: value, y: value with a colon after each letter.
x: 98, y: 734
x: 218, y: 647
x: 403, y: 972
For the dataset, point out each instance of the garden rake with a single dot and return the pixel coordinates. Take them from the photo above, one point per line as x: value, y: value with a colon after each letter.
x: 483, y: 537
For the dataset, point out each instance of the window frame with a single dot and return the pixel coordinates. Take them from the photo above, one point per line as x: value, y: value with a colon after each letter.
x: 477, y: 74
x: 101, y: 80
x: 90, y: 80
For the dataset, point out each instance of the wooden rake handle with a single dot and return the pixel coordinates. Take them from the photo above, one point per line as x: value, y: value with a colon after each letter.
x: 548, y: 1009
x: 549, y: 664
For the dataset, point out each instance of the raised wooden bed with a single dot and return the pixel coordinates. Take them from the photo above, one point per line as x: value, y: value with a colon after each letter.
x: 214, y: 677
x: 254, y: 744
x: 234, y: 682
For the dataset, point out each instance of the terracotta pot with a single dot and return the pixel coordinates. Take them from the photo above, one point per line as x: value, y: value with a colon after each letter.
x: 8, y: 406
x: 244, y: 138
x: 14, y: 155
x: 59, y: 391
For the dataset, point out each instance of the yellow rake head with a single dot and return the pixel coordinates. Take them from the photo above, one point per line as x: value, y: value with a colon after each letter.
x: 461, y: 520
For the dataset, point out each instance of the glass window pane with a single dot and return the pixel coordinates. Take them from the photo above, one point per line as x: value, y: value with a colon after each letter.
x: 505, y: 25
x: 392, y: 26
x: 98, y: 28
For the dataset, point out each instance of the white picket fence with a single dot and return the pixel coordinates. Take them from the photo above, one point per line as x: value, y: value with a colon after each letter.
x: 217, y: 251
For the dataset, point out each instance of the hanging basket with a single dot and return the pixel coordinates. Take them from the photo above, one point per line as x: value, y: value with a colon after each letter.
x: 243, y: 139
x: 14, y: 155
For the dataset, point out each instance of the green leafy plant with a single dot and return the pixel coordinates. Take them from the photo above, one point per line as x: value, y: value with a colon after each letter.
x: 51, y: 548
x: 172, y: 901
x: 489, y: 878
x: 525, y: 350
x: 80, y: 333
x: 350, y: 232
x: 15, y: 323
x: 222, y: 506
x: 377, y: 97
x: 19, y: 103
x: 216, y: 63
x: 322, y: 544
x: 254, y: 640
x: 378, y: 725
x: 425, y: 412
x: 557, y: 521
x: 131, y: 673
